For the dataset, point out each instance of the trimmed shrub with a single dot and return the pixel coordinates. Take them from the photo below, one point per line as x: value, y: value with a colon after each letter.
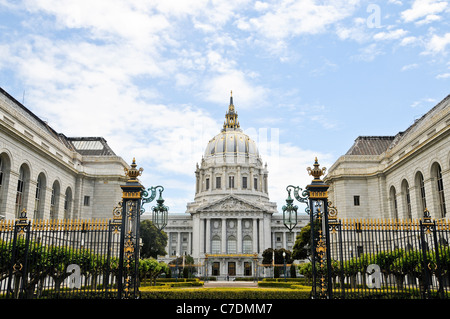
x: 218, y: 293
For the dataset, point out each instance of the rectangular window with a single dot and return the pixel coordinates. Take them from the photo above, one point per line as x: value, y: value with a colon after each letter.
x: 255, y: 182
x: 207, y: 183
x: 218, y: 182
x: 86, y: 200
x: 231, y: 181
x: 244, y: 182
x: 356, y: 200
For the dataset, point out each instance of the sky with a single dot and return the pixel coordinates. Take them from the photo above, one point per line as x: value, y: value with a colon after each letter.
x: 154, y: 77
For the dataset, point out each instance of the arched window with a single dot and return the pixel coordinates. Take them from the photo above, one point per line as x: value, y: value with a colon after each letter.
x: 437, y: 174
x: 215, y: 245
x: 68, y: 203
x: 247, y: 245
x: 4, y: 179
x: 420, y: 185
x: 393, y: 199
x: 21, y: 189
x: 39, y: 196
x: 54, y: 201
x: 231, y: 245
x: 407, y: 199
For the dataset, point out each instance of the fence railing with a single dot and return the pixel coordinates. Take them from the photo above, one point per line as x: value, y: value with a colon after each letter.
x: 390, y: 258
x: 58, y: 258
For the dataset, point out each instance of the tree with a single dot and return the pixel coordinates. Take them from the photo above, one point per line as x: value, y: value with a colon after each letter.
x: 151, y: 268
x: 154, y: 241
x: 302, y: 246
x: 177, y: 264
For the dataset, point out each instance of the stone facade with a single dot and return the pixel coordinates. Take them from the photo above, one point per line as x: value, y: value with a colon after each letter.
x: 231, y: 221
x: 50, y: 175
x: 396, y: 176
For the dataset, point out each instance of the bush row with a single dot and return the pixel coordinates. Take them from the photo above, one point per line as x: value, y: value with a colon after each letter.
x: 244, y: 293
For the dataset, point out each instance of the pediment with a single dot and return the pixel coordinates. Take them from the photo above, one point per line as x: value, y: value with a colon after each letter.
x: 231, y: 203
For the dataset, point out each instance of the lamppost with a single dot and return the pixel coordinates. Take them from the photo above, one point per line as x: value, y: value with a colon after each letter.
x: 160, y: 211
x: 289, y: 212
x: 134, y: 197
x: 128, y: 274
x: 318, y: 204
x: 284, y: 261
x: 315, y: 196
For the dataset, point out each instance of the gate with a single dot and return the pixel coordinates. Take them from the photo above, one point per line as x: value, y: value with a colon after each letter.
x: 78, y: 258
x: 58, y: 258
x: 388, y: 259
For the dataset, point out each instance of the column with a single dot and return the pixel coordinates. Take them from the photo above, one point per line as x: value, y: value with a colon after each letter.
x: 239, y: 235
x: 284, y: 240
x: 261, y: 247
x: 196, y: 236
x: 224, y: 236
x: 446, y: 185
x: 238, y: 178
x: 201, y: 237
x: 224, y: 179
x: 190, y: 244
x: 178, y: 244
x: 255, y: 235
x: 432, y: 198
x: 266, y: 233
x: 208, y: 236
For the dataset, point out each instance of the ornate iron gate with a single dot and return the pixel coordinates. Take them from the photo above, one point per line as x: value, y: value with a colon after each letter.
x: 372, y: 258
x: 58, y: 258
x: 78, y: 258
x: 390, y: 258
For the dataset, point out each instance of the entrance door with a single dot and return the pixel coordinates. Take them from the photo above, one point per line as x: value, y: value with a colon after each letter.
x: 247, y: 268
x: 216, y: 269
x: 231, y: 268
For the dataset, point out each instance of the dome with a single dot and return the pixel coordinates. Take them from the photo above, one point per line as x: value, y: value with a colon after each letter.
x: 233, y: 142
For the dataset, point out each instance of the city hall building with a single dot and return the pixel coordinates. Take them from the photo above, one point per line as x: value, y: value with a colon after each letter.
x: 231, y: 220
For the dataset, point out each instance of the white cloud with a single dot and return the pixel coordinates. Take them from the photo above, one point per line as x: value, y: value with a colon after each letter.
x: 423, y: 101
x: 368, y: 53
x: 410, y: 67
x: 426, y: 9
x: 409, y: 41
x: 248, y: 95
x: 443, y: 76
x: 390, y: 35
x: 437, y: 44
x: 290, y: 169
x: 284, y: 19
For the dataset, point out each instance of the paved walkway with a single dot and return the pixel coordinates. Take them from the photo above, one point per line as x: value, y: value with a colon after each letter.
x: 230, y: 284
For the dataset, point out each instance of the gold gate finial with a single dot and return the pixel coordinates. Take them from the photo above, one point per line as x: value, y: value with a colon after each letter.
x: 316, y: 172
x: 133, y: 173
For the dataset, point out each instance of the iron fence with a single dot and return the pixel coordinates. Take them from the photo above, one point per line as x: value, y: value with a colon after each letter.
x: 390, y: 258
x: 58, y: 258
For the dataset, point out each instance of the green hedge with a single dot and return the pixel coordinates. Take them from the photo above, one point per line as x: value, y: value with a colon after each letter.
x: 224, y: 293
x: 282, y: 279
x: 274, y: 284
